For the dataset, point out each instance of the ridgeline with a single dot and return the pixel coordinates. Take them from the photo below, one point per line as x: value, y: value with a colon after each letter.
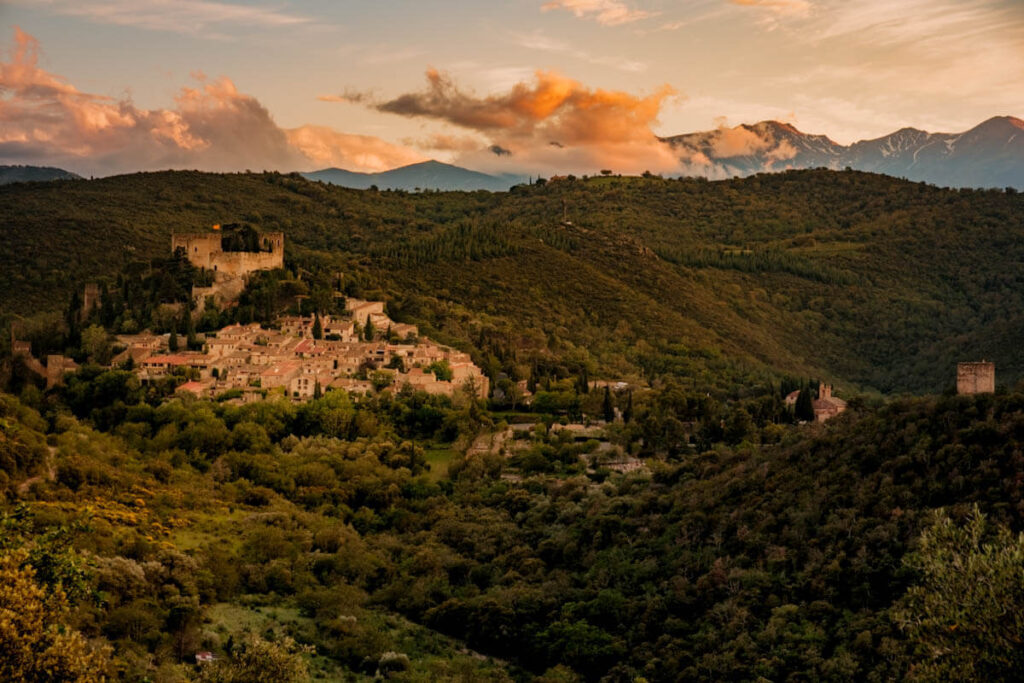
x: 877, y: 283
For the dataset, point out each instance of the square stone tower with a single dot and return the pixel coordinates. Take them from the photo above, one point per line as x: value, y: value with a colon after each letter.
x: 975, y: 378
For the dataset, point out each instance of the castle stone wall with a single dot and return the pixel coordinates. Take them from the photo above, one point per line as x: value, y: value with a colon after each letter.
x: 204, y: 251
x: 975, y: 378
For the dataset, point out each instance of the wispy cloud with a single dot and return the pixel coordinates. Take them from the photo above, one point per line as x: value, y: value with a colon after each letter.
x: 543, y: 43
x: 388, y: 55
x: 178, y: 16
x: 789, y: 7
x: 604, y: 12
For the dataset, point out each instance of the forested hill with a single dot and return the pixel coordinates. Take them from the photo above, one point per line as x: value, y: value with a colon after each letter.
x: 874, y: 282
x: 819, y: 559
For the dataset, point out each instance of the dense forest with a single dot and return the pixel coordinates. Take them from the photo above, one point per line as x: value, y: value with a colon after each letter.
x: 373, y: 538
x: 876, y: 283
x: 345, y: 529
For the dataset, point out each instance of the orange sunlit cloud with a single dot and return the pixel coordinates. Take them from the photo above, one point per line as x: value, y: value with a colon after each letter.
x: 328, y: 147
x: 551, y: 121
x: 213, y: 126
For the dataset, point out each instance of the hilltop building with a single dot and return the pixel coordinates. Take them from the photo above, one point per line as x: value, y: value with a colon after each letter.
x: 233, y: 251
x: 976, y: 378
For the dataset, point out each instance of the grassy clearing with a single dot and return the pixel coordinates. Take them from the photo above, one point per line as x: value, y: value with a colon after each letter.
x: 438, y: 459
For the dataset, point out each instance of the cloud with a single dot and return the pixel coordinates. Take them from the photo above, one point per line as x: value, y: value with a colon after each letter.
x: 499, y: 151
x: 212, y: 127
x: 605, y: 12
x: 715, y: 153
x: 441, y: 142
x: 593, y: 127
x: 539, y: 41
x: 347, y: 97
x: 326, y: 146
x: 790, y: 7
x: 178, y: 16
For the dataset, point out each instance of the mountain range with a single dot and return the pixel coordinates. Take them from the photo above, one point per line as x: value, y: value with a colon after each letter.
x: 988, y: 155
x: 426, y: 175
x: 24, y: 174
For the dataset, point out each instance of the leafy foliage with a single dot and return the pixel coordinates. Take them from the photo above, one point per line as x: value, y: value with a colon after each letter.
x: 856, y: 277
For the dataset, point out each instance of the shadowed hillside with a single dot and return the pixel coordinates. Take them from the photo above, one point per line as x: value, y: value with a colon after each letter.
x: 869, y: 280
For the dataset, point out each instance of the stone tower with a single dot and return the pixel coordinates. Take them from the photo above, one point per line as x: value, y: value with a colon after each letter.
x: 975, y: 378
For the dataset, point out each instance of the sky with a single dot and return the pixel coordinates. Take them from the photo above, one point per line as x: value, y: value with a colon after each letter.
x: 519, y: 86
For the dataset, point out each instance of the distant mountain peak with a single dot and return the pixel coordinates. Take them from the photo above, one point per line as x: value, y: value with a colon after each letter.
x: 989, y: 155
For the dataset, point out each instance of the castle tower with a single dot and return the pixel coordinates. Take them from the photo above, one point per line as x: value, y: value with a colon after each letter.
x: 976, y: 378
x: 90, y: 299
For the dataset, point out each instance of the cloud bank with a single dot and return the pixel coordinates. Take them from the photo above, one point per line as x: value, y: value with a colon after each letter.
x: 212, y: 126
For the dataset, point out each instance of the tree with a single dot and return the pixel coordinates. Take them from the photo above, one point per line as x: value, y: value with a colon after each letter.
x: 442, y: 370
x: 607, y: 408
x: 965, y: 616
x: 191, y: 342
x: 260, y: 661
x: 172, y: 341
x: 96, y: 344
x: 35, y: 642
x: 627, y: 414
x: 317, y: 391
x: 318, y: 328
x: 368, y: 330
x: 804, y: 408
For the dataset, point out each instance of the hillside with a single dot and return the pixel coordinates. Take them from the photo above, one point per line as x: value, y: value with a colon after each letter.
x: 989, y: 155
x: 873, y: 282
x: 206, y: 525
x: 428, y: 175
x: 26, y: 174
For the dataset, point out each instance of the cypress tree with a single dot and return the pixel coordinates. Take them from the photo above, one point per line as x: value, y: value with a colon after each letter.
x: 318, y: 328
x: 317, y: 392
x: 368, y: 330
x: 191, y: 343
x: 609, y: 411
x: 172, y: 341
x: 627, y: 414
x: 804, y: 408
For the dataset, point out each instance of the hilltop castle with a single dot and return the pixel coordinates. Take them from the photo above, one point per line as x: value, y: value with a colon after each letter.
x: 232, y: 252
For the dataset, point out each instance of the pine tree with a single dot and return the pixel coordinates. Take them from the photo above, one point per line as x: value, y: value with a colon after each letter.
x: 609, y: 411
x: 318, y: 328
